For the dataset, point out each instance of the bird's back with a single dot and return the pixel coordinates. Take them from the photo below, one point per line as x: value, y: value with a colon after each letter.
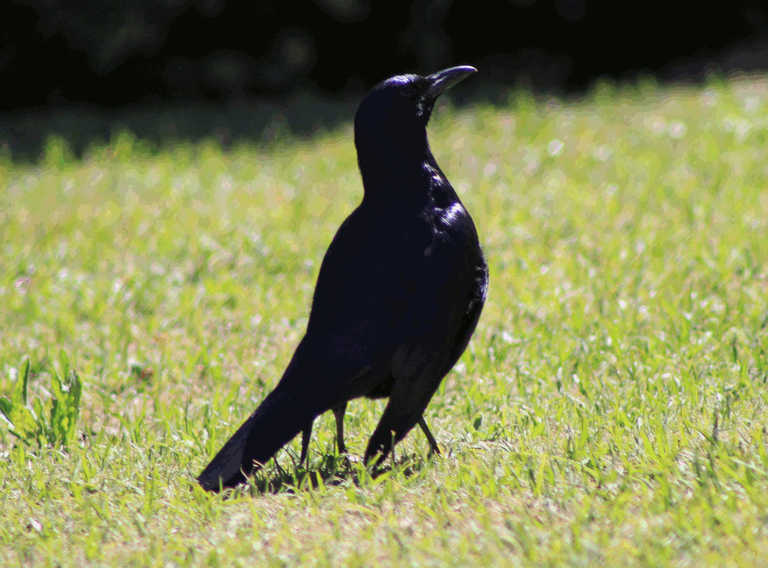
x: 398, y: 274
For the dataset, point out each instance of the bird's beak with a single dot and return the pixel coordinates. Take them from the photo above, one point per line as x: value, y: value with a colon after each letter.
x: 447, y: 78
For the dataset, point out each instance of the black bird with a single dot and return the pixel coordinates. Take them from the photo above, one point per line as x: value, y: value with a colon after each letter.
x: 398, y: 296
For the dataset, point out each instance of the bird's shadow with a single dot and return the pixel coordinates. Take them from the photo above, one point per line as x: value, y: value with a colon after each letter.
x: 331, y: 470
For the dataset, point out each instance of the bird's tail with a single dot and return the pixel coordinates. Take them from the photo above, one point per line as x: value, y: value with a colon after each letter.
x: 274, y: 423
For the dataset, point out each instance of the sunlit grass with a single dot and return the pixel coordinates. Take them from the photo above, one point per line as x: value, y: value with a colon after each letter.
x: 611, y: 409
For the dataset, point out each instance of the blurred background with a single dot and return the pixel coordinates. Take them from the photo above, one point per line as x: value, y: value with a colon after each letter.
x: 197, y: 68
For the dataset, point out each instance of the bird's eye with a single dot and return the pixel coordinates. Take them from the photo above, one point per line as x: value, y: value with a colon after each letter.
x: 408, y: 92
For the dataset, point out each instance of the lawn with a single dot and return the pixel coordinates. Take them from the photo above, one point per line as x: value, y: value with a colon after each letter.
x: 611, y: 409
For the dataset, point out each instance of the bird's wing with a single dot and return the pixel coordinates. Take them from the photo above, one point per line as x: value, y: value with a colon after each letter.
x: 376, y: 290
x: 392, y: 283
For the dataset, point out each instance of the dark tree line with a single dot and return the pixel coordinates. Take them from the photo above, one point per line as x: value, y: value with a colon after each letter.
x: 117, y: 52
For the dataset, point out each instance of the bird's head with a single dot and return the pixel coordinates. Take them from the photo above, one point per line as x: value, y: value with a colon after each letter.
x: 399, y: 107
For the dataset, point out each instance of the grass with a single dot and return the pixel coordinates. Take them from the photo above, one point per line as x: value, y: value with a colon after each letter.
x: 611, y: 409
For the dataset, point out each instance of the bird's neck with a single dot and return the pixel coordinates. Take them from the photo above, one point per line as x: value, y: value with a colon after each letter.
x: 394, y: 175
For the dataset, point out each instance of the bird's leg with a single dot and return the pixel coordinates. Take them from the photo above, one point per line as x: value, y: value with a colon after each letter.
x: 407, y: 402
x: 305, y: 436
x: 339, y: 412
x: 433, y: 447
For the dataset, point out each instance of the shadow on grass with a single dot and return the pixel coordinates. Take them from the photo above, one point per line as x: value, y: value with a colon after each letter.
x: 332, y: 470
x: 25, y: 135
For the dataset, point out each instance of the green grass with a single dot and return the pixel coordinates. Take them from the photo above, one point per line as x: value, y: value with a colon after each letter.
x: 611, y: 409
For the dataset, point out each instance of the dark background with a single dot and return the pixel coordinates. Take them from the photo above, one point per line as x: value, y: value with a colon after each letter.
x: 111, y: 57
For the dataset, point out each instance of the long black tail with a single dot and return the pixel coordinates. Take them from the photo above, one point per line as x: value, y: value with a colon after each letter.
x: 274, y: 423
